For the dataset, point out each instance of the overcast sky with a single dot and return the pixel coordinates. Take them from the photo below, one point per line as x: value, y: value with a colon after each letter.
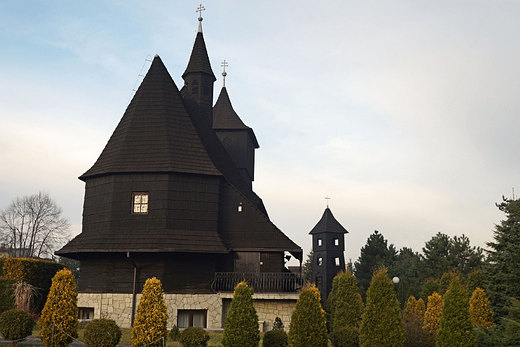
x: 405, y: 113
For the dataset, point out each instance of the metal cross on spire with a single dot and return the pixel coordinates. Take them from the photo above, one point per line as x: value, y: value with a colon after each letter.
x: 327, y: 198
x: 199, y: 10
x: 224, y: 64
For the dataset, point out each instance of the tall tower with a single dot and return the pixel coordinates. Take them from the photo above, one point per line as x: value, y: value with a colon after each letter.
x: 199, y: 77
x: 238, y: 139
x: 328, y: 246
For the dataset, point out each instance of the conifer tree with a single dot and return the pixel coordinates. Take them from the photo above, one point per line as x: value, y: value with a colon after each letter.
x: 479, y: 309
x: 456, y: 329
x: 241, y: 325
x: 348, y: 305
x: 308, y: 326
x: 60, y: 312
x: 432, y: 316
x: 151, y: 317
x: 502, y: 270
x: 381, y: 324
x: 413, y: 321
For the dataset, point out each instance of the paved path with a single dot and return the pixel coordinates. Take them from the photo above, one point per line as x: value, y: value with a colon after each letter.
x: 35, y: 341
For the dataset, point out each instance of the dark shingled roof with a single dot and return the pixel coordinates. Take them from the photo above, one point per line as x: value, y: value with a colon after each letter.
x: 225, y: 117
x: 199, y: 59
x: 155, y: 134
x: 145, y: 241
x: 328, y: 224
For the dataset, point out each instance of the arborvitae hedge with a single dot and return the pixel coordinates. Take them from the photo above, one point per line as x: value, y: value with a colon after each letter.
x: 6, y: 294
x: 36, y: 272
x: 241, y: 325
x: 432, y: 316
x: 151, y: 316
x: 480, y: 309
x: 456, y: 329
x: 381, y: 324
x: 61, y: 310
x: 308, y: 326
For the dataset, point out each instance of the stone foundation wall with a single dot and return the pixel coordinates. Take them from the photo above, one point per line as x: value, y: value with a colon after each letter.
x: 119, y: 307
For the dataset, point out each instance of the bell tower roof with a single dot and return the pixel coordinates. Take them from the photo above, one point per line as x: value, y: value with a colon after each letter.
x: 328, y: 224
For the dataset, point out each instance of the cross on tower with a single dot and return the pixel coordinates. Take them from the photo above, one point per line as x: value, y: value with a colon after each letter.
x: 224, y: 74
x: 200, y: 9
x: 327, y: 198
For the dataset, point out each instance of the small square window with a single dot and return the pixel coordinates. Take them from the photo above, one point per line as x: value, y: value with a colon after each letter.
x: 140, y: 203
x: 336, y: 242
x: 319, y: 242
x: 191, y: 318
x: 85, y: 313
x: 336, y: 260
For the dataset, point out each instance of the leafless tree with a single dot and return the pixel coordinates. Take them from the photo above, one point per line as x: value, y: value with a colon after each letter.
x: 32, y: 226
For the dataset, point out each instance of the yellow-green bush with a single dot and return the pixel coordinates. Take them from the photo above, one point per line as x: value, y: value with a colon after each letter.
x: 432, y: 316
x: 102, y: 332
x: 275, y: 338
x: 16, y: 324
x: 381, y: 324
x: 151, y: 317
x: 194, y: 337
x: 36, y: 272
x: 479, y: 309
x: 456, y: 329
x: 241, y: 325
x: 308, y: 326
x: 60, y: 312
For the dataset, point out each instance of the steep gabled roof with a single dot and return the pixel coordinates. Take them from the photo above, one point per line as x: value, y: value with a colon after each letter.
x: 156, y: 133
x: 199, y: 59
x: 328, y: 224
x: 225, y: 117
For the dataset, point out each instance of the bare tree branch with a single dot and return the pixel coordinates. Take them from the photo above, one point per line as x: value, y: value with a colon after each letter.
x: 32, y: 226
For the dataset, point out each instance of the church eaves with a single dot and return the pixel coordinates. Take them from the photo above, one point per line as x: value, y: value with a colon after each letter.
x: 329, y: 224
x: 156, y: 133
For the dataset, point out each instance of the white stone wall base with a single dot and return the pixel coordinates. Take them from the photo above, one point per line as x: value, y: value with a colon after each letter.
x: 119, y: 307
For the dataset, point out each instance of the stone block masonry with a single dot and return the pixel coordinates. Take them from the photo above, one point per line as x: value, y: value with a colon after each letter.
x: 119, y: 307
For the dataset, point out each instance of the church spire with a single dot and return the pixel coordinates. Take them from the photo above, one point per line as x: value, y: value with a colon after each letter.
x: 199, y: 77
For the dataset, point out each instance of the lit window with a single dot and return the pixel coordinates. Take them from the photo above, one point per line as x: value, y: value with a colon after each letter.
x: 140, y: 202
x: 337, y: 261
x: 319, y: 242
x: 191, y: 318
x: 336, y: 242
x: 320, y: 261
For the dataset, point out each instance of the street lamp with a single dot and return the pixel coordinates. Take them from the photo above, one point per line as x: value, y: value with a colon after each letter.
x: 396, y: 281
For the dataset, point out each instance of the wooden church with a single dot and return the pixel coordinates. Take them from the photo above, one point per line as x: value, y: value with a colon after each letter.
x: 171, y: 196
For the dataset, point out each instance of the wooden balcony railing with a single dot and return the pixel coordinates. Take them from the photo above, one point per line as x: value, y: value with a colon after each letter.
x: 263, y: 282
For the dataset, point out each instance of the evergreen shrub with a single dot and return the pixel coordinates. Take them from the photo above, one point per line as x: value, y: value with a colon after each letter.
x: 275, y: 338
x: 16, y: 324
x: 175, y: 333
x: 308, y: 326
x: 381, y: 324
x: 347, y: 336
x: 241, y: 325
x: 151, y: 317
x: 432, y: 316
x: 36, y: 272
x: 102, y: 332
x: 348, y: 304
x: 456, y: 329
x: 60, y: 311
x: 6, y: 294
x: 194, y: 337
x: 278, y: 324
x: 479, y: 309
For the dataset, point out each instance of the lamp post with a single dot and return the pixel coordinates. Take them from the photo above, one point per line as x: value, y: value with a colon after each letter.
x: 396, y: 281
